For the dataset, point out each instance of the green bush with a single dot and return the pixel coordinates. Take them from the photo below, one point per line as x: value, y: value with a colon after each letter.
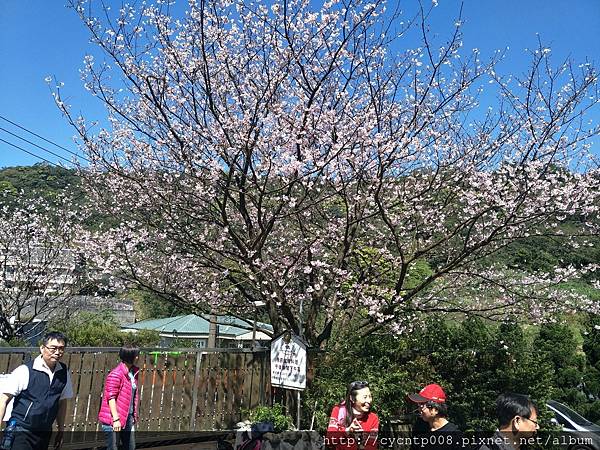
x: 93, y: 329
x: 273, y: 414
x: 14, y: 342
x: 142, y: 338
x: 101, y: 329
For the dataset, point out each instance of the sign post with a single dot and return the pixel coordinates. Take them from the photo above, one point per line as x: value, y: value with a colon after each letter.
x: 288, y: 365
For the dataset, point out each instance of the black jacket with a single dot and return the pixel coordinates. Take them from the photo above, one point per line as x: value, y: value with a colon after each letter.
x: 36, y: 407
x: 448, y: 437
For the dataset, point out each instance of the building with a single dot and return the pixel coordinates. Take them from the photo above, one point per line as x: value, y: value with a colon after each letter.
x: 44, y: 271
x: 231, y: 331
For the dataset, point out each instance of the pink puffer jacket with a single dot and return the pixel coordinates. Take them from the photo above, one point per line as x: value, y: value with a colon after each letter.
x: 118, y: 386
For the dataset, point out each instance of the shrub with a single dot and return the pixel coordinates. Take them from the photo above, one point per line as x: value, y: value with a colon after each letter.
x: 272, y: 414
x: 142, y: 338
x: 101, y: 329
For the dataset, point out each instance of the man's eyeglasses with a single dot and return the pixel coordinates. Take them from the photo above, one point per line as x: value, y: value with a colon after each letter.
x: 531, y: 420
x: 55, y: 349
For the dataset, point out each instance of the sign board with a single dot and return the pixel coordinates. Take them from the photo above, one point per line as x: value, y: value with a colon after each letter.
x: 288, y: 362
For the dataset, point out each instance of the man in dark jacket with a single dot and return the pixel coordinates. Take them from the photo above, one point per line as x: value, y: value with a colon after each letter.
x: 40, y: 389
x: 517, y: 418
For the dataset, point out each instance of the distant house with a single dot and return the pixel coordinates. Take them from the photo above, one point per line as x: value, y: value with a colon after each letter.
x: 52, y: 278
x: 231, y: 331
x: 44, y: 270
x: 121, y: 307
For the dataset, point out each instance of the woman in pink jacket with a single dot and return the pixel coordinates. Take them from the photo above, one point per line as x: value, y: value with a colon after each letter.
x: 119, y: 408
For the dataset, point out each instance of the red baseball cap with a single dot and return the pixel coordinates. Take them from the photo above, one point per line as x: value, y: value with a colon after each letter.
x: 430, y: 393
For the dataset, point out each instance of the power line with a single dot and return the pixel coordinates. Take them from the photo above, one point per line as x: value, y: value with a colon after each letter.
x: 28, y: 152
x: 35, y: 145
x: 43, y: 138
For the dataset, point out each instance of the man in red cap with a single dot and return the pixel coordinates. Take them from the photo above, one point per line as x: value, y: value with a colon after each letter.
x: 437, y: 431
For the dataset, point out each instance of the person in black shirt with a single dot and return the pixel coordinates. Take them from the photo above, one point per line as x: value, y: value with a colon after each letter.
x: 436, y: 431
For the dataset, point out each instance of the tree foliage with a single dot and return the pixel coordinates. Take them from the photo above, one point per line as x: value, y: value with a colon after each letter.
x: 256, y: 149
x: 473, y: 360
x: 40, y: 266
x: 149, y: 306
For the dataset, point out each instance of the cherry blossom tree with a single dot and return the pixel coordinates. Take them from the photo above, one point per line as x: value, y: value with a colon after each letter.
x: 39, y: 266
x: 301, y: 157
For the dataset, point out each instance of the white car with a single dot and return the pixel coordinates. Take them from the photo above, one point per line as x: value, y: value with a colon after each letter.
x: 577, y: 432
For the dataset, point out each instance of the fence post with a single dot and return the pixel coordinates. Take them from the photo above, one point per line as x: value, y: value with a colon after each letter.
x: 213, y: 330
x: 195, y: 391
x: 264, y: 400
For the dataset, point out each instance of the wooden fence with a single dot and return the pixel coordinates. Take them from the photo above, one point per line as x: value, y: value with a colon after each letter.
x: 183, y: 390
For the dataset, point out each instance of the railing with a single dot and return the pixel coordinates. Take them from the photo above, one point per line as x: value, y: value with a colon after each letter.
x: 192, y: 390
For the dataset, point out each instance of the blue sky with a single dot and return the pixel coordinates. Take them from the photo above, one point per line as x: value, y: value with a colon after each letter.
x: 42, y: 37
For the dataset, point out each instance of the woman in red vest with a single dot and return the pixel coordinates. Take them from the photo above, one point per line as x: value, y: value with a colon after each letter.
x: 352, y: 424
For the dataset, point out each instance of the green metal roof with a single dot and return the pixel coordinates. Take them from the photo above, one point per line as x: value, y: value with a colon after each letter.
x: 193, y: 324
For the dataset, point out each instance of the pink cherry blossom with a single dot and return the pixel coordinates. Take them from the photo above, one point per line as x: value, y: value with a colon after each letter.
x: 274, y: 152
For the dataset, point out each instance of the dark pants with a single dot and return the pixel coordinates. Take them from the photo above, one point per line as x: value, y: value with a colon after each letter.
x: 126, y: 436
x: 31, y: 440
